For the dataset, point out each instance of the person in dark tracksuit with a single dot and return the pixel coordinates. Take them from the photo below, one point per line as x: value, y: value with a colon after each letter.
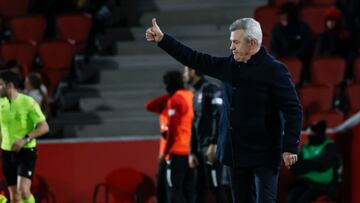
x: 257, y: 90
x: 207, y: 103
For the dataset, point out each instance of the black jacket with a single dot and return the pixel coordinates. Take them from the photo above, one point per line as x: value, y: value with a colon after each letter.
x: 206, y: 103
x: 254, y: 93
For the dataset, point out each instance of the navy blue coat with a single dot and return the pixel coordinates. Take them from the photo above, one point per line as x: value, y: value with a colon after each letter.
x: 256, y: 95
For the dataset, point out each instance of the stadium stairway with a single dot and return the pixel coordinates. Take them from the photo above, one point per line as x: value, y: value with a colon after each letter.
x: 114, y: 106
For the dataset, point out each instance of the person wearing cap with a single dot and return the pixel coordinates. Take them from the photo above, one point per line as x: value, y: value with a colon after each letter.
x: 319, y: 167
x: 334, y: 41
x: 291, y: 37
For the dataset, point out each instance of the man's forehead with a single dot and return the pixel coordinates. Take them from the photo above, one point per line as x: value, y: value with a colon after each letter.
x: 236, y: 34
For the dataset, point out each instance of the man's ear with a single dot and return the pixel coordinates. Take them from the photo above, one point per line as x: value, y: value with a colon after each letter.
x: 253, y: 44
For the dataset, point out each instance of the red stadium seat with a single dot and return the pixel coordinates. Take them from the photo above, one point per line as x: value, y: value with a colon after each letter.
x: 314, y: 17
x: 322, y: 2
x: 23, y: 53
x: 316, y: 98
x: 357, y: 71
x: 280, y: 2
x: 126, y: 185
x: 267, y: 17
x: 14, y: 8
x: 29, y: 28
x: 328, y: 71
x: 56, y: 57
x: 332, y: 118
x: 75, y: 28
x: 353, y: 96
x: 295, y: 67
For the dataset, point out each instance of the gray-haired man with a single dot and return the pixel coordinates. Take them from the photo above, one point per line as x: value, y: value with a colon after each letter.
x: 257, y: 89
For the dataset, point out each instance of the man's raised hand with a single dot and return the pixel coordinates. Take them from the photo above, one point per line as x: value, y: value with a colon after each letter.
x: 153, y: 33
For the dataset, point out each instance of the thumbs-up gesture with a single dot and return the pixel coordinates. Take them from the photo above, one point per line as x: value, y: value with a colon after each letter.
x: 153, y: 33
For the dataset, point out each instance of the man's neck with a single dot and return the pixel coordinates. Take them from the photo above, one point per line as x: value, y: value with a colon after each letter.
x: 251, y: 54
x: 13, y: 94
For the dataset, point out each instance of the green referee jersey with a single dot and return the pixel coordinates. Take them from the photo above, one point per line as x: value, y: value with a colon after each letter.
x: 18, y: 117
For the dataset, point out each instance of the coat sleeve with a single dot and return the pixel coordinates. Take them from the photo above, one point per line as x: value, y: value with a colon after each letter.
x: 213, y: 66
x: 288, y: 102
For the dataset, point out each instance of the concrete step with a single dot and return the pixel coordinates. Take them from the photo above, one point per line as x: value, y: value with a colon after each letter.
x: 150, y: 85
x: 146, y: 61
x: 115, y: 102
x: 84, y: 118
x: 186, y: 31
x: 103, y: 115
x: 218, y: 46
x: 113, y: 93
x: 118, y: 77
x: 111, y: 129
x: 217, y: 16
x: 185, y: 5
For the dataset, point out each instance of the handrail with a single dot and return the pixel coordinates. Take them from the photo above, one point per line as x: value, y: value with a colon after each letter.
x: 349, y: 123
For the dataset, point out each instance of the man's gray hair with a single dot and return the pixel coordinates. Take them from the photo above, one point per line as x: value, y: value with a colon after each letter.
x: 251, y: 27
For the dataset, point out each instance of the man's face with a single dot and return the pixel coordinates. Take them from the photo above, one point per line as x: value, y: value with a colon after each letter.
x: 240, y: 47
x: 2, y: 88
x: 188, y: 75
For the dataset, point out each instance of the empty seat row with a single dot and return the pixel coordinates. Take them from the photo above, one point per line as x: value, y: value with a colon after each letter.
x: 310, y: 2
x: 73, y: 27
x: 317, y: 103
x: 324, y: 70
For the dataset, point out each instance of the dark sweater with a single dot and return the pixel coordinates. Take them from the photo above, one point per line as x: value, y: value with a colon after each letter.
x: 254, y: 93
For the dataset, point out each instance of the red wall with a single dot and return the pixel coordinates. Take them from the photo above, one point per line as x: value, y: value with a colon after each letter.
x: 73, y: 169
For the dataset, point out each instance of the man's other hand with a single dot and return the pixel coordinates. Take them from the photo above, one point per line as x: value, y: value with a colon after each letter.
x: 289, y: 159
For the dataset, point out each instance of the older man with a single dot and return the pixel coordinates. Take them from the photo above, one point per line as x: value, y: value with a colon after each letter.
x: 257, y: 91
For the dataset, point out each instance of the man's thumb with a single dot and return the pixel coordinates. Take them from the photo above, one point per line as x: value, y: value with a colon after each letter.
x: 155, y: 25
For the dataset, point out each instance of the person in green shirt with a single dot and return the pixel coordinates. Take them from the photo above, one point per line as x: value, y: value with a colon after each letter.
x: 319, y: 168
x: 21, y: 121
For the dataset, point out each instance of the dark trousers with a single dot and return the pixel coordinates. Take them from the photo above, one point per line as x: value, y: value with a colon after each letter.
x: 254, y: 184
x: 161, y: 183
x: 180, y: 180
x: 303, y: 193
x: 209, y: 176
